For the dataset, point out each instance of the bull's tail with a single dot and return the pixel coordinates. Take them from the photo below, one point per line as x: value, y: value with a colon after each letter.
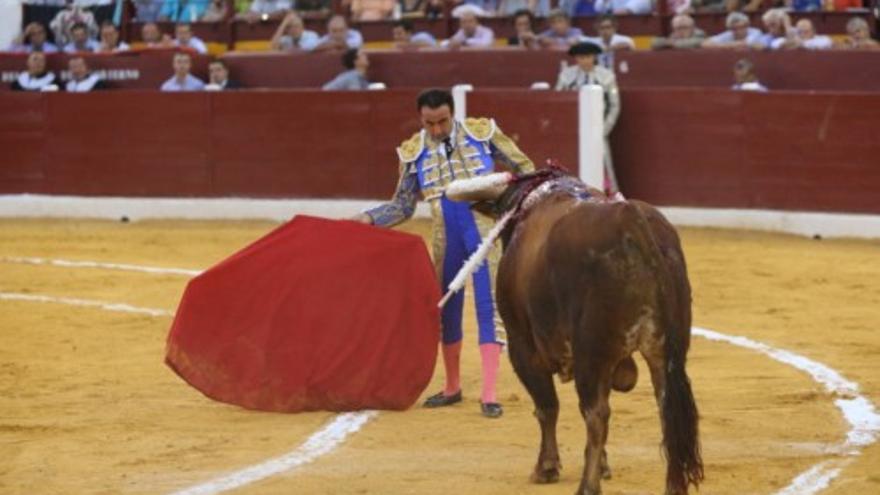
x: 679, y: 410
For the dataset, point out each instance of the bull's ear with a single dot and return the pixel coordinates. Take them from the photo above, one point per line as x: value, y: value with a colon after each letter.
x: 488, y: 208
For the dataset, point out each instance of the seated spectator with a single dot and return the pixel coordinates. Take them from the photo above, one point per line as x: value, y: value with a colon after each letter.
x: 183, y: 38
x: 745, y: 77
x: 525, y: 35
x: 858, y: 36
x: 431, y: 9
x: 470, y: 34
x: 36, y: 77
x: 216, y: 12
x: 110, y: 41
x: 623, y: 7
x: 778, y: 26
x: 609, y: 40
x: 80, y: 41
x: 561, y: 34
x: 265, y: 10
x: 33, y: 38
x: 310, y: 9
x: 339, y: 37
x: 406, y: 39
x: 218, y: 77
x: 739, y: 34
x: 182, y: 80
x: 71, y: 15
x: 355, y: 77
x: 292, y: 35
x: 81, y: 81
x: 147, y: 10
x: 805, y: 37
x: 371, y: 10
x: 154, y: 38
x: 685, y: 35
x: 182, y: 10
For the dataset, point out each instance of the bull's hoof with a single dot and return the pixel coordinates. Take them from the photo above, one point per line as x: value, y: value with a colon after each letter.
x: 545, y: 476
x: 605, y: 471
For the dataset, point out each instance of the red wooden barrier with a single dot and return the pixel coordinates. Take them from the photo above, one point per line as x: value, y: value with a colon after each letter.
x: 718, y: 148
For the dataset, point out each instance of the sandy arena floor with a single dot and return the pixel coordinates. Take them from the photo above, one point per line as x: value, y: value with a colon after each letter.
x: 89, y: 407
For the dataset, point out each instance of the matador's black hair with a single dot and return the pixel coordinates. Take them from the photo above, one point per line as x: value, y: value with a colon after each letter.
x: 435, y: 98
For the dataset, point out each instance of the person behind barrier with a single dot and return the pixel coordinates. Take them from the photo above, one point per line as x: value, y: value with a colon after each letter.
x: 371, y: 10
x: 218, y: 77
x: 446, y: 149
x: 858, y: 36
x: 182, y: 80
x: 609, y: 40
x: 183, y: 38
x: 805, y: 37
x: 745, y: 77
x: 685, y: 35
x: 587, y: 71
x: 81, y: 80
x: 739, y: 34
x: 292, y: 35
x: 80, y: 41
x: 355, y: 77
x: 36, y: 77
x: 561, y: 34
x: 339, y: 37
x: 71, y: 15
x: 110, y: 42
x: 470, y: 33
x: 778, y: 27
x: 33, y: 38
x: 155, y: 38
x: 406, y: 39
x: 524, y: 36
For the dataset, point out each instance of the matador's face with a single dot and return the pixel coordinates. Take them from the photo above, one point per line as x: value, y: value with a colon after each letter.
x: 437, y: 121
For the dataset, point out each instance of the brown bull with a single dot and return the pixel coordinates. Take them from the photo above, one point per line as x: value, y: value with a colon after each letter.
x: 583, y: 283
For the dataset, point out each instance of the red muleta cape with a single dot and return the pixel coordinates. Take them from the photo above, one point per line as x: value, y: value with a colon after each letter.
x: 317, y: 315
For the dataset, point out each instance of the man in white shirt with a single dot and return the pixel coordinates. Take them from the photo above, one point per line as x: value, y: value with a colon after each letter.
x: 805, y: 38
x: 182, y: 80
x: 470, y: 33
x: 609, y: 40
x: 81, y: 81
x: 339, y: 37
x: 739, y: 34
x: 36, y: 77
x: 745, y: 77
x: 184, y: 38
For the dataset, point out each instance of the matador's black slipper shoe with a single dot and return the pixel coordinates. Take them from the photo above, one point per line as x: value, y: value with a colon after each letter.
x: 491, y: 409
x: 440, y: 399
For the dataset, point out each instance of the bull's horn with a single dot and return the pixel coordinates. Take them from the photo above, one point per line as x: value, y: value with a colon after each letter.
x: 482, y: 188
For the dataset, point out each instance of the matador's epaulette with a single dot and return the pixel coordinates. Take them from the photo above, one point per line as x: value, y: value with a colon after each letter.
x: 481, y: 129
x: 410, y: 149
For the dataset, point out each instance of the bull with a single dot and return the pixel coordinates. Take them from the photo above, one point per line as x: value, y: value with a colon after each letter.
x: 584, y: 282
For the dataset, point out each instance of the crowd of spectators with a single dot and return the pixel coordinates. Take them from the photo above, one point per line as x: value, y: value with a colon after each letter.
x: 83, y: 26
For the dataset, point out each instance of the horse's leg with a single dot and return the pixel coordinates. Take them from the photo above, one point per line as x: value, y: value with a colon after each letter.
x: 594, y: 388
x: 539, y: 384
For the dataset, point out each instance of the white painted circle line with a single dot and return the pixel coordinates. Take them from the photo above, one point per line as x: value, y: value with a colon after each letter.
x: 320, y: 443
x: 95, y: 264
x: 107, y: 306
x: 858, y: 411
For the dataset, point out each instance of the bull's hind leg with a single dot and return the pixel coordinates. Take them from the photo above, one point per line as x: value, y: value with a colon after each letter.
x: 594, y: 389
x: 541, y: 388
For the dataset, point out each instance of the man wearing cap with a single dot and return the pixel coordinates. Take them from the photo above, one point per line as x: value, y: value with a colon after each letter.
x: 587, y: 71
